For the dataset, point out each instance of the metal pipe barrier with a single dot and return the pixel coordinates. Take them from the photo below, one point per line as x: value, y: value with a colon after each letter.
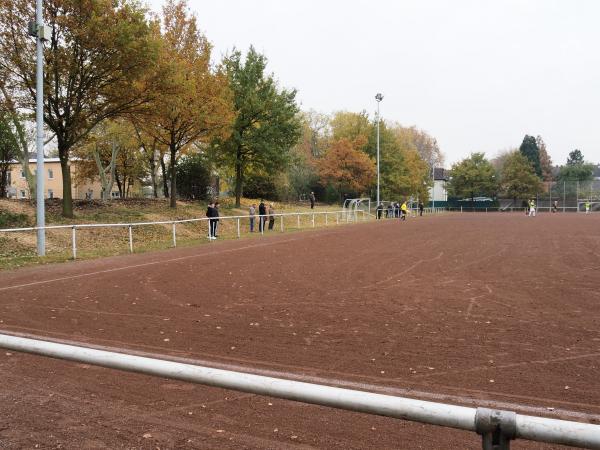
x: 496, y: 427
x: 347, y: 217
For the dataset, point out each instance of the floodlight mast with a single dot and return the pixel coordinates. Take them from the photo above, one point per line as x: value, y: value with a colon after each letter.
x: 42, y: 33
x: 378, y: 97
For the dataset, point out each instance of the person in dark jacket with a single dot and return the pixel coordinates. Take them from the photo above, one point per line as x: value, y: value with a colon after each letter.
x: 210, y: 212
x: 312, y: 199
x: 262, y: 216
x: 271, y: 212
x: 216, y: 219
x: 421, y: 207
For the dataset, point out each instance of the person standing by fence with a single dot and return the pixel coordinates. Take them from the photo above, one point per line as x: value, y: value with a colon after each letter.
x: 421, y: 207
x: 555, y: 206
x: 210, y: 211
x: 588, y: 206
x: 262, y: 216
x: 252, y: 215
x: 215, y: 220
x: 271, y: 214
x: 312, y: 199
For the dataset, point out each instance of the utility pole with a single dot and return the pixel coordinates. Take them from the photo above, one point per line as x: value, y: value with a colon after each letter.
x: 378, y: 97
x: 433, y: 186
x: 42, y: 33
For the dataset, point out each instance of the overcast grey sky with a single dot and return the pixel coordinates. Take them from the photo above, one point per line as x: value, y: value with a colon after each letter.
x: 476, y: 74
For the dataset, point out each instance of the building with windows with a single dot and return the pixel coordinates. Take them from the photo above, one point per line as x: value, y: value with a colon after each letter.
x: 53, y: 187
x: 438, y: 192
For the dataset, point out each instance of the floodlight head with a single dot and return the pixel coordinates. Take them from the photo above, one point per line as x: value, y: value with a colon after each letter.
x: 379, y: 97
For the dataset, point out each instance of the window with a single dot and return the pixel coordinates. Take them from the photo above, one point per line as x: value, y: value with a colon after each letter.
x: 50, y: 174
x: 50, y: 193
x: 115, y: 194
x: 22, y: 173
x: 23, y: 193
x: 8, y: 178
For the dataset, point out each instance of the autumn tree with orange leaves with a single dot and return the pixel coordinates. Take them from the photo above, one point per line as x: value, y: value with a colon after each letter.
x: 347, y: 169
x: 192, y: 103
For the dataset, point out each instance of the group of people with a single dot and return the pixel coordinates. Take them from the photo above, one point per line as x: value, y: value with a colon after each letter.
x: 265, y: 214
x: 531, y: 207
x: 396, y: 210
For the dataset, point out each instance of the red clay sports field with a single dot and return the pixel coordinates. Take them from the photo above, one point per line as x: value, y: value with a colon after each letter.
x: 496, y: 310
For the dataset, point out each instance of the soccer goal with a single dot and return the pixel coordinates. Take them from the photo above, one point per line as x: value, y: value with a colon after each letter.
x: 594, y: 206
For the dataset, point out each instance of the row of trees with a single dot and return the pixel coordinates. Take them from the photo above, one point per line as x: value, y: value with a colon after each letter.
x: 517, y: 173
x: 135, y: 96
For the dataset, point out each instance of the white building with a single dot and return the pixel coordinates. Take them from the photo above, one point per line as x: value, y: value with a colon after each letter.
x: 438, y: 192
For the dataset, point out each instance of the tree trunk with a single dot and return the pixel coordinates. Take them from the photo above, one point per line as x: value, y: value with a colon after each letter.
x: 152, y: 162
x: 239, y: 179
x: 119, y: 184
x: 173, y: 172
x: 3, y: 181
x: 67, y: 202
x: 165, y: 178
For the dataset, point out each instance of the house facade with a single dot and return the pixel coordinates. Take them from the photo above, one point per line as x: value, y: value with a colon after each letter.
x: 438, y: 193
x: 53, y: 186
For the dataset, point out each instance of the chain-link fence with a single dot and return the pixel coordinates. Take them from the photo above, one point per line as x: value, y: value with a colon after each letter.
x: 560, y: 196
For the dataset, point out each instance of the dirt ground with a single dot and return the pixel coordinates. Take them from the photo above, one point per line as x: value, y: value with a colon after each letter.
x: 475, y: 309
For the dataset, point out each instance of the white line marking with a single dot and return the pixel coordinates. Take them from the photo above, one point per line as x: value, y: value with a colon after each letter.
x: 135, y: 266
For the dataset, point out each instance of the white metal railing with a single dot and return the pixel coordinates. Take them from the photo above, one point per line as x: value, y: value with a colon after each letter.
x: 340, y: 218
x: 496, y: 427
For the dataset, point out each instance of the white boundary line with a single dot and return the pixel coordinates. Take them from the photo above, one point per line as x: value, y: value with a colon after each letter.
x: 150, y: 263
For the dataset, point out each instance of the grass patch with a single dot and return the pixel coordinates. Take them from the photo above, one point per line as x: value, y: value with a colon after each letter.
x: 13, y: 220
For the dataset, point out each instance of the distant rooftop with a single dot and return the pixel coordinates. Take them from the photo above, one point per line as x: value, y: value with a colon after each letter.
x: 439, y: 173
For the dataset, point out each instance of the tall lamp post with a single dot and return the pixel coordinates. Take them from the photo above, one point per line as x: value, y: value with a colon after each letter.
x: 42, y: 33
x: 378, y: 97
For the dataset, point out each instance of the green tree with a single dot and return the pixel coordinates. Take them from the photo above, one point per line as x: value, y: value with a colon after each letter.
x: 576, y: 169
x: 403, y: 170
x: 575, y: 157
x: 96, y: 63
x: 355, y: 127
x: 472, y: 177
x: 267, y: 123
x: 193, y: 176
x: 529, y: 149
x: 518, y: 178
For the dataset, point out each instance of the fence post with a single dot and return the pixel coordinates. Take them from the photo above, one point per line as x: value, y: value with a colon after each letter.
x: 298, y: 220
x: 461, y: 209
x: 238, y: 227
x: 281, y: 222
x: 326, y: 222
x: 263, y: 222
x: 577, y: 195
x: 74, y: 242
x: 337, y: 218
x: 174, y: 235
x: 564, y: 194
x: 130, y: 239
x: 313, y: 220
